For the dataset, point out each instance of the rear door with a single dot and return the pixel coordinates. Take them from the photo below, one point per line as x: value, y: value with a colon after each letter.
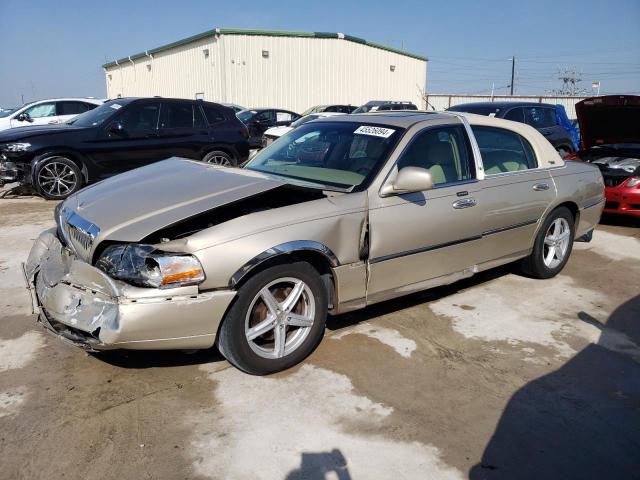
x: 183, y: 130
x: 515, y: 193
x: 68, y: 109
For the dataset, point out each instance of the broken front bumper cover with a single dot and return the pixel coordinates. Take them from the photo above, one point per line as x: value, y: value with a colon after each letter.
x: 84, y: 306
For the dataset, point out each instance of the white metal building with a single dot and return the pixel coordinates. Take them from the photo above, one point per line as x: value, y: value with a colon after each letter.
x: 442, y: 101
x: 258, y: 68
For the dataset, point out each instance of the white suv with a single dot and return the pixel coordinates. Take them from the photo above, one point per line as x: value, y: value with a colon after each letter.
x: 43, y: 112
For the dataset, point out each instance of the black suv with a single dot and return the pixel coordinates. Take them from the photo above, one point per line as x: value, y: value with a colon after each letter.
x: 121, y: 134
x: 541, y: 116
x: 258, y: 120
x: 384, y: 105
x: 329, y: 108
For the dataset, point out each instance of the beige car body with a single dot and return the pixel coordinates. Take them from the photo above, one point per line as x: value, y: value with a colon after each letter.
x: 369, y: 246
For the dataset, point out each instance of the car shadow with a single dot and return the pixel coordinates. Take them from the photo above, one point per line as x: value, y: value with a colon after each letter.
x: 141, y: 359
x: 345, y: 320
x: 581, y: 421
x: 619, y: 220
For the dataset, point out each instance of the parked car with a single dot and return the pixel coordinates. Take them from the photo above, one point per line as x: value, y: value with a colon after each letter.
x: 611, y: 140
x: 5, y: 112
x: 329, y: 108
x: 45, y: 112
x: 258, y: 120
x: 341, y: 213
x: 122, y: 134
x: 274, y: 133
x: 384, y: 105
x: 541, y: 116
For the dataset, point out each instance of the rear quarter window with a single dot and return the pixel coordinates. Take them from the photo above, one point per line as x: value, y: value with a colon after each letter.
x: 503, y: 150
x: 213, y: 114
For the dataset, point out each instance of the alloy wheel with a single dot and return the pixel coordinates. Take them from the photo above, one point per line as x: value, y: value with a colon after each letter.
x: 220, y: 160
x: 280, y: 317
x: 556, y: 242
x: 57, y: 179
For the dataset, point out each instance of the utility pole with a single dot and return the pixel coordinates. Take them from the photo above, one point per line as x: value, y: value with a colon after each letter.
x: 513, y: 72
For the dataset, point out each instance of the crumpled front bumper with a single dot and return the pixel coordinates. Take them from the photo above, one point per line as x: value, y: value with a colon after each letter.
x: 83, y: 305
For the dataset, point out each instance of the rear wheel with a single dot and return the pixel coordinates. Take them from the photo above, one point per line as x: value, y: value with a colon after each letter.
x: 57, y: 177
x: 219, y: 157
x: 553, y: 245
x: 278, y: 318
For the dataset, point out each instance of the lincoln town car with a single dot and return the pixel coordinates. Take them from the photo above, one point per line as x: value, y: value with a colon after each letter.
x: 338, y: 214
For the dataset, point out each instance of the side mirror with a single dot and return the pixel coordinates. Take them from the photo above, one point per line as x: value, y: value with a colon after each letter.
x: 24, y: 117
x: 408, y: 180
x: 116, y: 128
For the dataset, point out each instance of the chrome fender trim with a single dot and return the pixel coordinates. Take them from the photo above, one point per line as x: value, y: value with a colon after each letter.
x: 284, y: 249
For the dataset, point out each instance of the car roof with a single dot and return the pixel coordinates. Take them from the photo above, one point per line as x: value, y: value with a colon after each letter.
x: 398, y: 118
x: 503, y: 104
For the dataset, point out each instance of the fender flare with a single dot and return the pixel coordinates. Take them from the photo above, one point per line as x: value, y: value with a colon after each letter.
x: 284, y: 249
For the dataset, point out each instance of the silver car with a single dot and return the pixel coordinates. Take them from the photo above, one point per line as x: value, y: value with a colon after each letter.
x: 336, y: 215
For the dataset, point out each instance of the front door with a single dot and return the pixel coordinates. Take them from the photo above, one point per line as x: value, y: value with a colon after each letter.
x: 135, y: 145
x: 424, y: 236
x: 39, y: 114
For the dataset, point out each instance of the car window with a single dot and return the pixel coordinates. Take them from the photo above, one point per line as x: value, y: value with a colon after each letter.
x: 214, y: 114
x: 284, y: 117
x: 515, y: 114
x: 266, y: 116
x: 331, y: 154
x: 42, y: 110
x: 140, y: 117
x: 177, y: 115
x: 539, y: 117
x: 71, y: 108
x: 444, y: 151
x: 503, y: 150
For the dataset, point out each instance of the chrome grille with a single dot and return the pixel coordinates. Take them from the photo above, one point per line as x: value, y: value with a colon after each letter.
x: 78, y: 233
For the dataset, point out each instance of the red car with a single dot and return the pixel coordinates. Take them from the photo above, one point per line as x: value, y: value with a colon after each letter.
x: 610, y: 138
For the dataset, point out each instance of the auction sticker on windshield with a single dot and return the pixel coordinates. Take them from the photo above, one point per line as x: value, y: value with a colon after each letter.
x: 374, y: 131
x: 116, y: 106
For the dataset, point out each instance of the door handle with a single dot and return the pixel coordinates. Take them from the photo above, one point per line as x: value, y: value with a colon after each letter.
x: 540, y: 187
x: 464, y: 203
x: 51, y: 122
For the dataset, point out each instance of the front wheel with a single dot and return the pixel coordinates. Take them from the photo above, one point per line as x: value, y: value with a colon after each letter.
x: 57, y: 177
x: 552, y: 246
x: 276, y: 321
x: 220, y: 158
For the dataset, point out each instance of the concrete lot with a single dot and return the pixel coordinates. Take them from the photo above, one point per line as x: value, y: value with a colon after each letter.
x: 499, y: 376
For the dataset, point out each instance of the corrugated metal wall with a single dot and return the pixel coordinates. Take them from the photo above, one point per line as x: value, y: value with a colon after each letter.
x: 441, y: 102
x: 297, y: 74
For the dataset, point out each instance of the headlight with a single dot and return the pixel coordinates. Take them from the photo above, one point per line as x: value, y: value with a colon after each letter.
x: 16, y: 147
x: 145, y: 266
x: 633, y: 181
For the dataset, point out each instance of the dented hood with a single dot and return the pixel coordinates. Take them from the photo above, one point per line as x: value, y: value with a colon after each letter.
x: 132, y: 205
x: 609, y: 120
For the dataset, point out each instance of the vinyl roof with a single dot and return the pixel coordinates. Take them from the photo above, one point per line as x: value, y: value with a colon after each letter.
x: 266, y: 33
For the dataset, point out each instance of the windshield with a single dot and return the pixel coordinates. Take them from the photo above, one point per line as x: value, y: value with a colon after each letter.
x: 365, y: 108
x: 246, y: 115
x: 97, y: 116
x: 7, y: 112
x: 345, y: 155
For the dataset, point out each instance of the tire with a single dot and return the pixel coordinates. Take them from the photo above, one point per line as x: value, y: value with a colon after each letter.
x: 218, y: 157
x: 557, y: 233
x: 262, y: 354
x: 56, y: 177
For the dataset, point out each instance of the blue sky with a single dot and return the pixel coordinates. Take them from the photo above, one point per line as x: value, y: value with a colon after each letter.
x: 55, y: 48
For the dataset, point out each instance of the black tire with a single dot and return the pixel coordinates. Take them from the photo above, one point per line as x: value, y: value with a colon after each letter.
x: 218, y: 157
x: 534, y: 265
x: 232, y: 338
x: 56, y: 177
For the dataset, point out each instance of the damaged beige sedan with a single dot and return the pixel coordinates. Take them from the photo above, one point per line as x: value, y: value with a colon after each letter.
x: 336, y: 215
